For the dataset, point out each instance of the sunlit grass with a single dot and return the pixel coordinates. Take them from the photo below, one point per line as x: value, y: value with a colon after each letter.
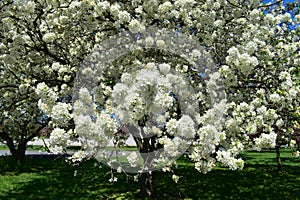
x: 43, y: 148
x: 29, y: 147
x: 49, y: 178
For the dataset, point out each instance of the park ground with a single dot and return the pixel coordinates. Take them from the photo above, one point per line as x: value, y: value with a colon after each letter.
x: 50, y: 177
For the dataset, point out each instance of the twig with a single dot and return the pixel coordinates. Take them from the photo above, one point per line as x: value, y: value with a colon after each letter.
x: 269, y: 5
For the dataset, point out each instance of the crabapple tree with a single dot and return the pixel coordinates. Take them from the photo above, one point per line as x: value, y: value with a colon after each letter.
x: 218, y: 76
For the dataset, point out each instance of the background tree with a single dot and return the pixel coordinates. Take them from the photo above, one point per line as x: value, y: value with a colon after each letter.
x: 21, y: 122
x: 27, y: 56
x: 266, y: 96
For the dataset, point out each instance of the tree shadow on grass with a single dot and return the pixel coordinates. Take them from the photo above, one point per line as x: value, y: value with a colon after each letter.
x: 262, y: 183
x: 56, y: 180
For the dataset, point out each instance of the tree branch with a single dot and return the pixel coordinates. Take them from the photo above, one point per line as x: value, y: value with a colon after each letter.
x: 234, y: 4
x: 269, y: 5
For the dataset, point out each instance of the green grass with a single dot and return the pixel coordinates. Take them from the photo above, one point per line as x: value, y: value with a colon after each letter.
x: 42, y: 148
x: 41, y: 178
x: 29, y: 147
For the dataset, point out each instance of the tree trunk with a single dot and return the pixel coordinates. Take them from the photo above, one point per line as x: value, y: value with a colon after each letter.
x: 147, y: 185
x: 17, y: 153
x: 278, y: 160
x: 21, y: 151
x: 146, y: 149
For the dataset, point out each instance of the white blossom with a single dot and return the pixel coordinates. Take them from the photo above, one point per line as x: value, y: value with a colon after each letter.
x: 133, y: 159
x: 266, y: 141
x: 49, y: 37
x: 175, y: 178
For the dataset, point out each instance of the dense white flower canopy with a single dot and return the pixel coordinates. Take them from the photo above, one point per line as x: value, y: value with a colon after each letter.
x: 44, y: 45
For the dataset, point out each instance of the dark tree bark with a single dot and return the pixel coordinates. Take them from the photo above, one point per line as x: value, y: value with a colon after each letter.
x: 278, y: 160
x: 147, y: 178
x: 18, y: 151
x: 147, y: 185
x: 146, y: 147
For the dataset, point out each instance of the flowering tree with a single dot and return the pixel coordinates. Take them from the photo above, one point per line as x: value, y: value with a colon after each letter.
x: 267, y: 92
x: 21, y: 122
x: 101, y: 73
x: 27, y: 59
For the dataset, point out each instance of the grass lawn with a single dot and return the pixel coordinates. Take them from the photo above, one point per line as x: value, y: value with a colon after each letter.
x: 29, y: 147
x: 42, y: 148
x: 50, y: 178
